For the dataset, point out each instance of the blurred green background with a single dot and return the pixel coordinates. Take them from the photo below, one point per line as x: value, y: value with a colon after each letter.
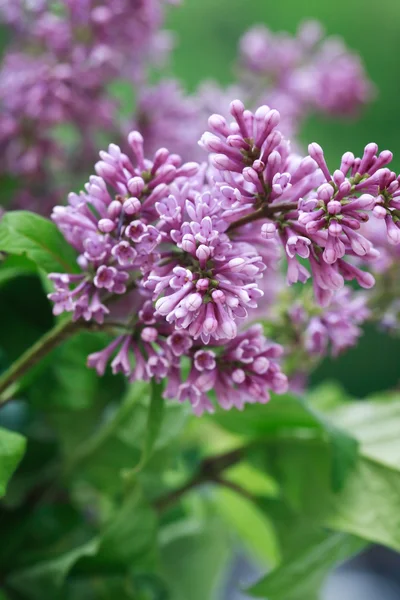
x: 207, y: 35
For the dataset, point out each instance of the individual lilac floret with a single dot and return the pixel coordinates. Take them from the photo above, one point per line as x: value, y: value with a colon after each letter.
x: 243, y: 371
x: 110, y: 224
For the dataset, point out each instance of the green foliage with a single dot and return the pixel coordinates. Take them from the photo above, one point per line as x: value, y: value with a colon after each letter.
x: 192, y: 563
x: 287, y: 414
x: 12, y: 448
x: 15, y: 266
x: 305, y: 570
x: 27, y: 234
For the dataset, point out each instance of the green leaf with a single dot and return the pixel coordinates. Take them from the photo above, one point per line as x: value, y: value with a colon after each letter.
x: 258, y: 420
x: 375, y: 423
x: 37, y: 238
x: 303, y: 573
x: 366, y: 506
x: 12, y: 448
x: 252, y: 526
x: 15, y: 266
x: 344, y: 449
x: 154, y: 420
x: 129, y: 536
x: 193, y: 563
x: 126, y: 541
x: 153, y: 428
x: 290, y: 415
x: 46, y: 579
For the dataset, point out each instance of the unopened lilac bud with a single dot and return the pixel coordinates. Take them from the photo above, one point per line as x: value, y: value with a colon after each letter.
x: 218, y: 296
x: 347, y: 162
x: 114, y: 209
x: 193, y: 301
x: 238, y: 376
x: 229, y: 328
x: 211, y: 142
x: 203, y: 253
x: 104, y: 170
x: 210, y: 322
x: 316, y: 152
x: 223, y: 163
x: 325, y: 192
x: 135, y: 140
x: 344, y: 188
x: 334, y: 207
x: 314, y: 226
x: 364, y: 202
x: 237, y: 141
x: 260, y: 365
x: 268, y: 230
x: 188, y: 169
x: 393, y: 230
x: 188, y: 243
x: 241, y: 116
x: 218, y: 124
x: 160, y: 158
x: 338, y: 177
x: 165, y: 174
x: 131, y: 206
x: 250, y: 175
x: 136, y: 186
x: 335, y: 228
x: 202, y: 284
x: 106, y: 225
x: 236, y: 108
x: 149, y: 334
x: 261, y: 112
x: 379, y: 211
x: 258, y: 166
x: 370, y: 151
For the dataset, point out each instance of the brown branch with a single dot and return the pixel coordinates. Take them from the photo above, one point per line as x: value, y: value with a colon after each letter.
x: 209, y: 471
x: 265, y: 212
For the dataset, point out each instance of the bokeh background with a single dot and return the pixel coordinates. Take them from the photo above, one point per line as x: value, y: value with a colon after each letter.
x: 207, y: 35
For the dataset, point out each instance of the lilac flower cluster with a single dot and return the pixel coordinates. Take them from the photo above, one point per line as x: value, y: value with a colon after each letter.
x: 188, y: 245
x: 57, y: 72
x: 336, y: 327
x: 302, y: 73
x: 315, y: 214
x: 154, y: 231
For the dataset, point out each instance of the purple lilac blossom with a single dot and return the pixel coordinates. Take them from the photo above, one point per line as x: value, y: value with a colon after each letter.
x: 303, y: 73
x: 194, y: 242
